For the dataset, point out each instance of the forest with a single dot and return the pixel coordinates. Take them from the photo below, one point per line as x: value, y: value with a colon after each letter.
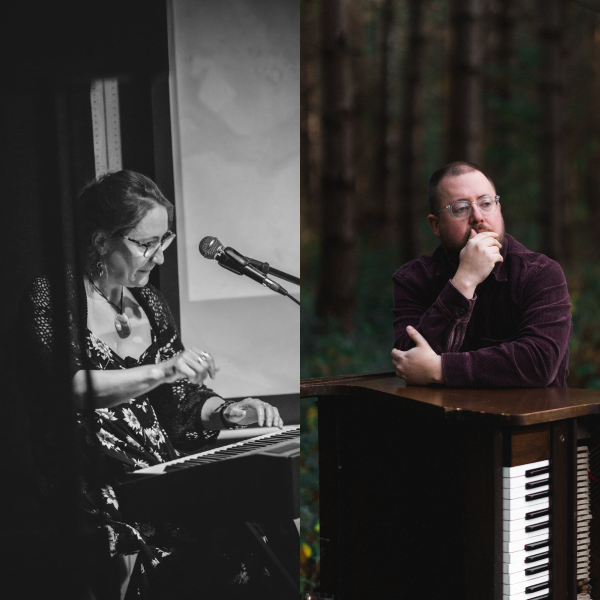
x: 391, y: 90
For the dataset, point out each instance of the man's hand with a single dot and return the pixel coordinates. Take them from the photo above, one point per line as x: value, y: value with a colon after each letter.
x: 477, y: 259
x: 419, y: 365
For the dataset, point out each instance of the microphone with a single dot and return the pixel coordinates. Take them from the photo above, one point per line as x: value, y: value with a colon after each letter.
x: 211, y: 248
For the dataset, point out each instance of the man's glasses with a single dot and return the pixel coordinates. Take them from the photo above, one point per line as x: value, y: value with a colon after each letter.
x: 151, y: 248
x: 462, y: 209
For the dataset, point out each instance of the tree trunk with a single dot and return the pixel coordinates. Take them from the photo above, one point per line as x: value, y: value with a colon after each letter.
x: 594, y: 133
x: 551, y: 19
x: 410, y: 190
x: 337, y: 283
x: 498, y: 126
x: 464, y: 131
x: 381, y: 217
x: 310, y: 125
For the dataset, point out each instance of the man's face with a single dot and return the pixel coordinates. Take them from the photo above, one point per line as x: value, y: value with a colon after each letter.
x: 454, y: 234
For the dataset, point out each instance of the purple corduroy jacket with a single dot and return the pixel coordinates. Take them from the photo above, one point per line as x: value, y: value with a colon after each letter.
x: 514, y: 332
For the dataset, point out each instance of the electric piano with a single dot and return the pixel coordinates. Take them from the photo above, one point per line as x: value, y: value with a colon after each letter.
x: 254, y: 479
x: 456, y: 494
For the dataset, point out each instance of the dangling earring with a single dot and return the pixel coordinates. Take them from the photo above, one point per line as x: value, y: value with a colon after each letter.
x: 100, y: 268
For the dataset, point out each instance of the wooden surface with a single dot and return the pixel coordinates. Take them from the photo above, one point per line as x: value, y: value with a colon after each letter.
x: 518, y: 407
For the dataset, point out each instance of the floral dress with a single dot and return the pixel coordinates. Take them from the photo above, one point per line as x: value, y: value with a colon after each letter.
x: 138, y: 433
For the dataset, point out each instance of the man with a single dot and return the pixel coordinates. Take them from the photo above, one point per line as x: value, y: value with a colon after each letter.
x: 481, y: 310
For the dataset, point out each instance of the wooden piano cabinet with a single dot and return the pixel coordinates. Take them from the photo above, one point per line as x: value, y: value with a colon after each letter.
x: 411, y: 484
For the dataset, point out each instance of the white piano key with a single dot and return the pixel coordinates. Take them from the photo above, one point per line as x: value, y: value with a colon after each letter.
x: 586, y: 517
x: 524, y: 596
x: 513, y: 536
x: 519, y: 513
x: 519, y: 492
x: 521, y: 576
x: 510, y: 482
x: 519, y: 545
x: 518, y: 524
x: 521, y: 503
x: 520, y: 586
x: 518, y: 567
x: 520, y: 470
x: 519, y: 556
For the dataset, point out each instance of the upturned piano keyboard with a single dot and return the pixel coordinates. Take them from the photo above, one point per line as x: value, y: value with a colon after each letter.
x: 251, y: 479
x: 468, y: 494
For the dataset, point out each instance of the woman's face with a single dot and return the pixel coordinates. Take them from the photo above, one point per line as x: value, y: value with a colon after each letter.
x: 125, y: 261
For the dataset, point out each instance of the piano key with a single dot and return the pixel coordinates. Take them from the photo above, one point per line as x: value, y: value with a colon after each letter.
x: 508, y: 482
x: 528, y: 575
x: 519, y: 492
x: 517, y: 567
x: 516, y: 503
x: 520, y: 513
x: 521, y: 469
x: 529, y: 585
x: 513, y: 536
x: 520, y: 556
x: 523, y: 596
x: 532, y: 543
x: 520, y: 524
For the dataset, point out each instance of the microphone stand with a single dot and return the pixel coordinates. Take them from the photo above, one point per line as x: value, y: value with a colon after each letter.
x: 244, y: 261
x: 266, y: 269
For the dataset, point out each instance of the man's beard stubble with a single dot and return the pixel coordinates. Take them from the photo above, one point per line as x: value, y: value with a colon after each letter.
x: 453, y: 250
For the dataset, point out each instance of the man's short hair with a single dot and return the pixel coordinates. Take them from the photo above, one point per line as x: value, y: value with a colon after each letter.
x: 452, y: 169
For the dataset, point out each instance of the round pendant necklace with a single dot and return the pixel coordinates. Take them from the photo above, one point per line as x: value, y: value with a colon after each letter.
x: 122, y: 324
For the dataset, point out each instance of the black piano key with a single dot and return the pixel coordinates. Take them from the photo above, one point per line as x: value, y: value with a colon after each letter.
x: 535, y: 484
x: 537, y: 587
x: 542, y: 597
x: 538, y: 471
x: 536, y: 545
x: 538, y: 569
x: 537, y: 526
x: 536, y: 557
x: 537, y: 513
x: 537, y: 496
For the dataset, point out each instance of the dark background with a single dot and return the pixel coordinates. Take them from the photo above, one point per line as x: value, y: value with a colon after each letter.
x: 50, y: 54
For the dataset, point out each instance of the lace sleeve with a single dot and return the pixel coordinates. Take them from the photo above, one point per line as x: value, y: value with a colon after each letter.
x: 178, y: 405
x: 42, y: 342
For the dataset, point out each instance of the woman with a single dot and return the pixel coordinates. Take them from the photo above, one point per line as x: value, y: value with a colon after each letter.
x: 148, y: 392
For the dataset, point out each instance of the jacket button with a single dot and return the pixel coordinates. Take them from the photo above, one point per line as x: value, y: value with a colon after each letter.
x: 461, y: 311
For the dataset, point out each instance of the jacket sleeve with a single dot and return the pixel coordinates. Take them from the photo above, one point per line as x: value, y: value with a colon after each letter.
x: 442, y: 321
x: 541, y: 344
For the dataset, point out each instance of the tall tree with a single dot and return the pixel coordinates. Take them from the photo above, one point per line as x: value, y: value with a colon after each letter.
x: 410, y: 192
x: 593, y: 192
x: 382, y: 222
x: 309, y: 119
x: 551, y: 15
x: 337, y: 279
x: 464, y: 122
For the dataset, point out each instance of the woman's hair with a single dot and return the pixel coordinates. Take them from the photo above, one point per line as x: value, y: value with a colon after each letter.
x: 114, y: 204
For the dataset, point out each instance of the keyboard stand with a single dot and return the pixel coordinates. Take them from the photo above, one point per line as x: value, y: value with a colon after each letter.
x: 283, y: 583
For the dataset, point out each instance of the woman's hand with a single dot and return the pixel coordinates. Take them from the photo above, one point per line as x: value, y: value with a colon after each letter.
x: 251, y: 410
x: 192, y: 364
